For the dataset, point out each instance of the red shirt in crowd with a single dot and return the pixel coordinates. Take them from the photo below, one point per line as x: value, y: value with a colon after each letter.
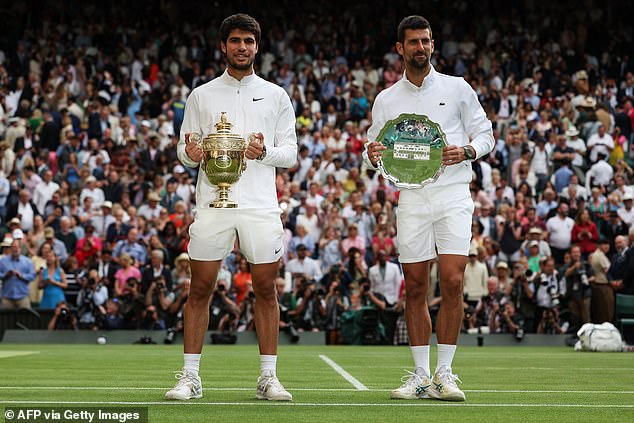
x: 586, y: 236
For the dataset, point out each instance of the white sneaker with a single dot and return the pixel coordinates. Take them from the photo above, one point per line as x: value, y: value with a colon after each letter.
x: 444, y: 386
x: 188, y: 386
x: 270, y: 388
x: 416, y: 385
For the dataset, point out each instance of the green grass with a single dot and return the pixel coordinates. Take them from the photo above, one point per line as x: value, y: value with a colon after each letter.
x: 506, y: 369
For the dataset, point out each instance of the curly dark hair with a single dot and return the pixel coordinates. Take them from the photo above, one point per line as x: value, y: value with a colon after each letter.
x: 239, y: 21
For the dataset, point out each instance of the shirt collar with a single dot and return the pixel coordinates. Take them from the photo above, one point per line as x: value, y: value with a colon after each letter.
x: 429, y: 79
x: 230, y: 80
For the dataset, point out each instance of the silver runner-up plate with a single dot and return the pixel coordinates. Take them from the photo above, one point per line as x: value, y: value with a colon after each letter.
x: 414, y: 149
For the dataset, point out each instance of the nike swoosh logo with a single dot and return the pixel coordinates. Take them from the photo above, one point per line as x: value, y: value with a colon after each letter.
x: 258, y: 99
x: 278, y: 250
x: 441, y: 104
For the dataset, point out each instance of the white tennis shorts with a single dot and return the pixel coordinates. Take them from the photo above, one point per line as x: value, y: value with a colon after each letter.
x: 214, y: 231
x: 438, y: 221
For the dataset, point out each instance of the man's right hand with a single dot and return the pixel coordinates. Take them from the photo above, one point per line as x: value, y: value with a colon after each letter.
x: 375, y: 151
x: 193, y: 149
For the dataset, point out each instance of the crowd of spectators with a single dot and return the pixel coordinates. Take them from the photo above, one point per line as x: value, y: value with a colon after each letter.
x: 95, y: 207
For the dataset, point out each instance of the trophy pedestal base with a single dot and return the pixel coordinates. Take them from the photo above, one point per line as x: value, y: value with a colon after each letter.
x: 223, y: 201
x: 223, y: 205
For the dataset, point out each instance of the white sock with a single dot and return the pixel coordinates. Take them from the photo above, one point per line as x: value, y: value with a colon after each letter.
x: 192, y: 362
x: 421, y: 357
x: 268, y: 363
x: 445, y: 355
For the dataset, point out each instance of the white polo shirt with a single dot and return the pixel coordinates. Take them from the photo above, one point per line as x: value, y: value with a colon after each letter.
x: 597, y: 144
x: 252, y: 105
x: 447, y: 100
x: 600, y: 173
x: 560, y: 231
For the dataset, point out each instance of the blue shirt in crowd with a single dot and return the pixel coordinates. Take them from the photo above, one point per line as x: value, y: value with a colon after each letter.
x: 135, y: 250
x: 562, y: 178
x: 15, y: 288
x: 544, y: 207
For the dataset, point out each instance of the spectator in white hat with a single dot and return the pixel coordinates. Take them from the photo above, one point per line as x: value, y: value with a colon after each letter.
x: 151, y: 209
x: 92, y: 190
x: 103, y: 219
x: 5, y: 244
x: 579, y: 145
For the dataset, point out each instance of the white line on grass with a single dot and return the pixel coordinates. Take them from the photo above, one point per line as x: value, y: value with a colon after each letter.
x: 316, y: 404
x: 9, y: 354
x: 552, y: 391
x: 134, y: 388
x: 347, y: 376
x: 558, y: 368
x: 236, y: 389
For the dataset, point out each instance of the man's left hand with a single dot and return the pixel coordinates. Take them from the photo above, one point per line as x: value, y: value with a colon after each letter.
x: 255, y: 147
x: 452, y: 154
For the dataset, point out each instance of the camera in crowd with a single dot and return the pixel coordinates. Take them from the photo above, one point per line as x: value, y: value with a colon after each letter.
x: 552, y: 291
x: 583, y: 275
x: 519, y: 334
x: 554, y: 296
x: 469, y: 312
x: 292, y: 332
x: 64, y: 313
x: 169, y: 337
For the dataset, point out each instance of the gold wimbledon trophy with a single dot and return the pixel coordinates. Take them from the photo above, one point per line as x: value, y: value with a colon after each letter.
x: 223, y: 160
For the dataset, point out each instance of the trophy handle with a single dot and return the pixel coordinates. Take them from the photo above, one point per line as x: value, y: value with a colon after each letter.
x: 244, y: 163
x: 195, y: 137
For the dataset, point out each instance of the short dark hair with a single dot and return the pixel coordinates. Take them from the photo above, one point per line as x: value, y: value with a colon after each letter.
x: 412, y: 22
x: 239, y: 21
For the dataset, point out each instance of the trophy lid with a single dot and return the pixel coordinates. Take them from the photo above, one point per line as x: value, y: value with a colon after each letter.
x: 223, y: 136
x: 224, y: 126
